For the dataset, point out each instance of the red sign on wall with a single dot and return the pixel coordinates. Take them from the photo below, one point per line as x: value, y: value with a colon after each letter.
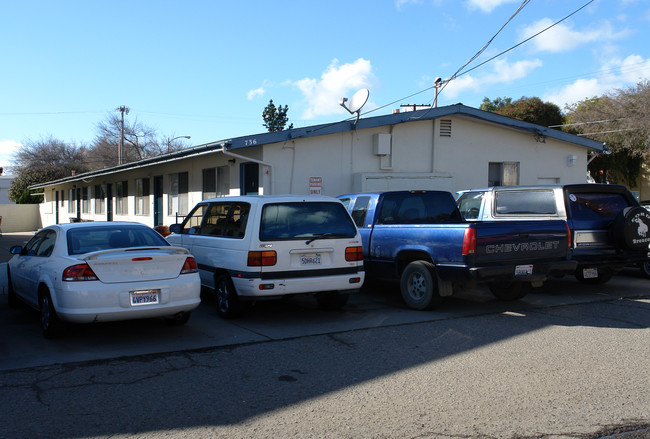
x: 315, y: 185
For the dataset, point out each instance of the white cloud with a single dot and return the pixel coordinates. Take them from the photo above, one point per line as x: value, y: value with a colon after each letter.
x: 502, y: 72
x: 617, y: 73
x: 487, y: 5
x: 8, y: 148
x: 562, y: 38
x: 338, y: 80
x: 252, y: 94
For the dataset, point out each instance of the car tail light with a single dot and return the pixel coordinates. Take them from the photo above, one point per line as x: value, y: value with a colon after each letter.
x: 354, y: 254
x: 469, y: 241
x: 262, y: 258
x: 568, y: 235
x: 81, y: 272
x: 189, y: 266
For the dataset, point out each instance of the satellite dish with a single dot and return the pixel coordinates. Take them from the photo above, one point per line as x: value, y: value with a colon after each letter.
x: 357, y: 102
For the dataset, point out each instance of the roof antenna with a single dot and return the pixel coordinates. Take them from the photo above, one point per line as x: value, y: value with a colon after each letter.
x: 356, y: 103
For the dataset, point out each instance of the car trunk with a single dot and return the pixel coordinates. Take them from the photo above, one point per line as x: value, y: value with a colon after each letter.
x: 137, y: 264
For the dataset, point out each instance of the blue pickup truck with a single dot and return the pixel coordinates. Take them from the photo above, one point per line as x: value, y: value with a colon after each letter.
x: 421, y: 239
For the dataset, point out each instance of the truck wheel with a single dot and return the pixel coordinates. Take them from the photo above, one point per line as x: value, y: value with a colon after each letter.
x: 331, y: 300
x: 228, y: 304
x: 419, y: 286
x: 507, y: 290
x: 604, y: 275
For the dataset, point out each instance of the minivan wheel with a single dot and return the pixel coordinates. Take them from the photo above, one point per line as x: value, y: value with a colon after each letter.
x: 228, y: 304
x: 51, y: 325
x: 419, y: 285
x: 331, y: 300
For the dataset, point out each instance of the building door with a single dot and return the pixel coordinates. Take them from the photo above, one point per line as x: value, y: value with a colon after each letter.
x: 249, y: 178
x: 109, y: 202
x: 157, y: 200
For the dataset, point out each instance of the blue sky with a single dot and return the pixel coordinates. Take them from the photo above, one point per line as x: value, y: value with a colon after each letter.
x: 207, y: 69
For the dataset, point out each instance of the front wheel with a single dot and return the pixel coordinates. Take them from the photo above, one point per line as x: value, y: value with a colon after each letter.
x: 51, y: 325
x: 228, y: 304
x: 12, y: 298
x: 507, y: 290
x: 419, y: 286
x: 332, y: 300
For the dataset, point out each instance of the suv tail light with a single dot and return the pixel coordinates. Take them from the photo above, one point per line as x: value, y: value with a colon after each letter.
x: 189, y: 266
x: 262, y: 258
x: 80, y: 272
x: 354, y: 254
x: 469, y: 241
x: 568, y: 235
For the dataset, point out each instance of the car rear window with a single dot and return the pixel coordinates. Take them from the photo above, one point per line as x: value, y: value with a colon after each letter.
x: 538, y: 202
x: 90, y: 239
x: 418, y: 208
x: 596, y: 205
x: 299, y: 220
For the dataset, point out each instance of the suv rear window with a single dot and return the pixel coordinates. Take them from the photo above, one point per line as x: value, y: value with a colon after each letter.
x: 300, y: 220
x: 596, y: 205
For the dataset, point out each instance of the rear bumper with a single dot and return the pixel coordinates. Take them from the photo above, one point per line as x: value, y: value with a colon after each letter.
x: 257, y: 288
x: 540, y: 271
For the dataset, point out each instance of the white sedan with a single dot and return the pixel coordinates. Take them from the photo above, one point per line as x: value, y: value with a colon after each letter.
x: 100, y: 272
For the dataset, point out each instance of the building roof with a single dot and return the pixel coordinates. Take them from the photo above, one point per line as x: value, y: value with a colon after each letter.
x: 338, y: 127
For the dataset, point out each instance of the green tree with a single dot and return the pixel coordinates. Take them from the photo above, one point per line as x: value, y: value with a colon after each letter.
x: 621, y: 120
x: 41, y: 161
x: 532, y: 110
x: 275, y: 118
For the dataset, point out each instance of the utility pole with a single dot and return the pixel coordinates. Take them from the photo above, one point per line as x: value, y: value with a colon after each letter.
x: 123, y: 109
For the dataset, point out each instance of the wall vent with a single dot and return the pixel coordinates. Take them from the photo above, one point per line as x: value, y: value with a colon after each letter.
x: 445, y: 127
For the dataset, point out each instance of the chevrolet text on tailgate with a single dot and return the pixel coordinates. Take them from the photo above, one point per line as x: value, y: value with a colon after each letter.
x: 609, y: 228
x: 420, y: 238
x: 256, y: 247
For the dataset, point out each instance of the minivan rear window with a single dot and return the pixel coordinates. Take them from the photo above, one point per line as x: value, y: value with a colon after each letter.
x: 300, y: 220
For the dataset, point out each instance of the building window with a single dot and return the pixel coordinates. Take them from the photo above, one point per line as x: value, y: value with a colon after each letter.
x: 100, y: 199
x: 142, y: 196
x: 216, y: 182
x: 177, y: 199
x: 85, y: 199
x: 121, y: 198
x: 72, y: 200
x: 503, y: 174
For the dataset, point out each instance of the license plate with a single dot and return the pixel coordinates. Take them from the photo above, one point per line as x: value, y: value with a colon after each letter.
x: 310, y: 259
x: 524, y: 270
x: 590, y: 273
x: 147, y: 297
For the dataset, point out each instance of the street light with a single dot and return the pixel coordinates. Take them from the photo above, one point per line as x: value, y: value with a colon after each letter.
x: 169, y: 142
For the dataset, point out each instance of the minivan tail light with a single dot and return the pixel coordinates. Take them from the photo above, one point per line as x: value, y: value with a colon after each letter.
x: 354, y: 254
x: 189, y: 266
x: 80, y: 272
x: 469, y: 241
x: 264, y: 258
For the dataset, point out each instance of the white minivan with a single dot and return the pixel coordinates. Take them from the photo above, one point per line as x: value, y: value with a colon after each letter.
x: 252, y: 247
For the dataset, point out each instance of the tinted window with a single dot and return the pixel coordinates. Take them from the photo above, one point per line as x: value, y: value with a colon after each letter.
x: 418, y: 208
x: 525, y: 203
x: 90, y: 239
x: 596, y: 205
x: 301, y: 220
